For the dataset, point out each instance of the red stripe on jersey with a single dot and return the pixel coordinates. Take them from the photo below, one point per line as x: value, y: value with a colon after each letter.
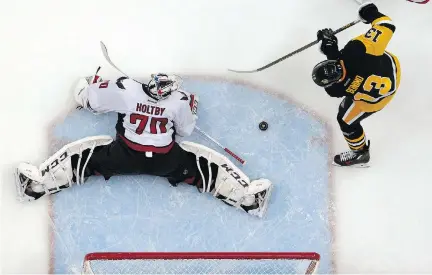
x: 191, y: 102
x: 95, y: 79
x: 147, y: 148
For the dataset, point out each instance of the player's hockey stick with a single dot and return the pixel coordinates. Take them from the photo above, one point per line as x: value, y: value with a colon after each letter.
x: 296, y: 51
x: 231, y: 153
x: 419, y: 1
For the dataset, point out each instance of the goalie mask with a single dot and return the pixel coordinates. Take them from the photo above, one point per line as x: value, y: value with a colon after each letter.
x: 327, y: 72
x: 162, y: 85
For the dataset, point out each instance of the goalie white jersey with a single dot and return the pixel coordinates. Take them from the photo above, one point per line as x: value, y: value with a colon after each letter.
x: 144, y: 123
x: 149, y: 116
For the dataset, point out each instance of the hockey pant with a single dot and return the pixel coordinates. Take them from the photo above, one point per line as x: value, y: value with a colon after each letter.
x: 117, y: 158
x: 349, y: 118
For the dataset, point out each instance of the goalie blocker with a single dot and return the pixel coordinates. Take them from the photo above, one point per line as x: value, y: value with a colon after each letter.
x: 195, y: 164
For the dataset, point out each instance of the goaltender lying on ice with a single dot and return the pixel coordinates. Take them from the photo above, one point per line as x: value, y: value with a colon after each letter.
x: 144, y: 144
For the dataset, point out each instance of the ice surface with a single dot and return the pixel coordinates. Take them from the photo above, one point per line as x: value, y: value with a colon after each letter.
x: 144, y: 213
x: 381, y: 224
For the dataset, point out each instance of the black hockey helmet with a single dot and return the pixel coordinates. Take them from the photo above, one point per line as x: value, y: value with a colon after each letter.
x: 327, y: 72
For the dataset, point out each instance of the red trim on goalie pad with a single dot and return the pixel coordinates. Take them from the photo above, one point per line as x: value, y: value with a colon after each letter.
x: 201, y: 255
x: 147, y: 148
x: 189, y: 180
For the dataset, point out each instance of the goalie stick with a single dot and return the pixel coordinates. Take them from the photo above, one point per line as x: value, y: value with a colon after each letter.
x: 296, y: 51
x: 231, y: 153
x: 105, y: 54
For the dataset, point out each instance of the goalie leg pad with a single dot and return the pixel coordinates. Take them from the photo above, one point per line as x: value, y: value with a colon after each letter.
x: 227, y: 182
x: 59, y: 171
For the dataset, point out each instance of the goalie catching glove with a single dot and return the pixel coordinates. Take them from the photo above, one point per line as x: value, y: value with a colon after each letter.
x: 80, y: 92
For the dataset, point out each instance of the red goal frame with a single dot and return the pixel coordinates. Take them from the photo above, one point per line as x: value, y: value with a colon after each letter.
x: 113, y: 256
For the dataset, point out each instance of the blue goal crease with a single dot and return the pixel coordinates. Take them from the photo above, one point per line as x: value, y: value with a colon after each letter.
x: 144, y: 213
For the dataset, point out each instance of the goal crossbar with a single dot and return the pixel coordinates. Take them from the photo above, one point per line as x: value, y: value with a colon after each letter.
x: 201, y: 255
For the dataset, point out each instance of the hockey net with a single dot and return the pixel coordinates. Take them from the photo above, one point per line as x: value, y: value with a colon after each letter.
x: 201, y: 263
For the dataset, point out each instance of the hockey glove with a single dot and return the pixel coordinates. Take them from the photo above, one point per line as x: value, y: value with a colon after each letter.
x: 193, y: 103
x: 368, y: 12
x: 80, y: 91
x: 329, y: 44
x: 93, y: 79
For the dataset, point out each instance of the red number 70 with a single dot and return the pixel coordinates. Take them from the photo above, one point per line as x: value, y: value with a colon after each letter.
x: 143, y: 120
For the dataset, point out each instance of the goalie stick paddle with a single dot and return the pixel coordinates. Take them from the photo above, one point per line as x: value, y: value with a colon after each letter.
x: 296, y: 51
x: 108, y: 59
x: 231, y: 153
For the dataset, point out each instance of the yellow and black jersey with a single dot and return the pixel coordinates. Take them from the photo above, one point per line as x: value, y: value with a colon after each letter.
x: 375, y: 40
x: 371, y: 74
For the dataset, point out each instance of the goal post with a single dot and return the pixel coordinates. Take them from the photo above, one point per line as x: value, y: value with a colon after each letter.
x: 201, y: 263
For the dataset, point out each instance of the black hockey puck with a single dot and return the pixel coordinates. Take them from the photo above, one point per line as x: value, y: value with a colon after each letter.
x: 263, y: 125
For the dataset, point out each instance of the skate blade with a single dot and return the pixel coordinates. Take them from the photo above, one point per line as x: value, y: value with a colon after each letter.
x: 359, y: 165
x: 18, y: 185
x: 264, y: 207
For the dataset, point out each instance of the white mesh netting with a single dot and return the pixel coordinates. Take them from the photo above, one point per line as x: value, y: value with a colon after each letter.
x: 145, y: 265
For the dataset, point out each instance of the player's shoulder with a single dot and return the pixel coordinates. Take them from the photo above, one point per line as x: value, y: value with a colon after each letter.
x: 180, y: 96
x: 176, y: 101
x: 124, y: 83
x: 354, y: 48
x: 116, y: 85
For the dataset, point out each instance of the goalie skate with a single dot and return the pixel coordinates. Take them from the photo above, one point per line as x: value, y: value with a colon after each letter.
x: 25, y: 174
x: 261, y: 202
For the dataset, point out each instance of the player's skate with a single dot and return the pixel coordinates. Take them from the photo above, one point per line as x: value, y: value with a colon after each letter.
x: 261, y: 199
x: 57, y: 172
x: 358, y: 158
x: 228, y: 183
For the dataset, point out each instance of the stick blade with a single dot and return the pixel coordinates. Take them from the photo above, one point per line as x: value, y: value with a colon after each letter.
x: 105, y: 51
x: 243, y: 72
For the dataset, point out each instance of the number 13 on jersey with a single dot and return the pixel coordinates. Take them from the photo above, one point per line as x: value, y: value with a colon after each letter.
x: 376, y: 87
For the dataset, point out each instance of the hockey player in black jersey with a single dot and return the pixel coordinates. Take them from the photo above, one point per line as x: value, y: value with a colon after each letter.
x: 365, y: 74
